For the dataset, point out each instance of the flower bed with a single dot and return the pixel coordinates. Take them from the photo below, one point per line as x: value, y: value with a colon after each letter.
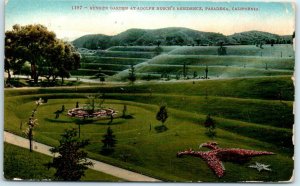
x: 83, y: 113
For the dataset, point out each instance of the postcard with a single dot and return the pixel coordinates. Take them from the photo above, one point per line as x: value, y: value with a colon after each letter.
x: 149, y: 91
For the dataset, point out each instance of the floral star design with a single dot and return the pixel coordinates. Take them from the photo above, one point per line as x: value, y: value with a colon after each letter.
x: 216, y: 155
x: 260, y: 167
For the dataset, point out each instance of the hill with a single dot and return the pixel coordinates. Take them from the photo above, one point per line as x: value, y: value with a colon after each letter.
x: 175, y: 36
x: 93, y: 41
x: 255, y: 37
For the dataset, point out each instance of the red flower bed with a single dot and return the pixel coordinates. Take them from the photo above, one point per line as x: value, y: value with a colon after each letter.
x: 82, y: 113
x: 215, y: 157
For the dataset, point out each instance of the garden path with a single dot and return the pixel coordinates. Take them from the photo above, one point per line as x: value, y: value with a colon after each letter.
x: 98, y: 166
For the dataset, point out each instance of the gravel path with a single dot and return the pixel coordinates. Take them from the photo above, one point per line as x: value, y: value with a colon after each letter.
x: 98, y: 166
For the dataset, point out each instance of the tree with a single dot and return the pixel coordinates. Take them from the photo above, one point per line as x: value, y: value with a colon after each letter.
x: 47, y: 55
x: 158, y: 42
x: 184, y: 70
x: 158, y: 50
x: 210, y: 126
x: 198, y: 41
x: 132, y: 76
x: 272, y: 42
x: 109, y: 142
x: 100, y: 75
x: 71, y: 162
x: 162, y: 114
x: 222, y: 50
x: 32, y: 123
x: 206, y: 72
x: 261, y: 45
x: 124, y: 111
x: 102, y: 79
x: 209, y: 122
x: 195, y: 74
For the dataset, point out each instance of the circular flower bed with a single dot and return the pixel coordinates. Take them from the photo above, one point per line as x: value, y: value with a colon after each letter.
x: 83, y: 113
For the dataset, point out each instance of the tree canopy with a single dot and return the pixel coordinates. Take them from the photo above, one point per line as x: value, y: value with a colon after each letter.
x: 48, y: 56
x: 71, y: 162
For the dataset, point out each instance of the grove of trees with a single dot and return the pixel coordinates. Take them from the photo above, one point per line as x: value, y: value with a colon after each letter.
x: 47, y: 55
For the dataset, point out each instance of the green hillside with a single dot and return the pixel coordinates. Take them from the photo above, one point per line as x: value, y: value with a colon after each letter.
x: 234, y: 61
x: 254, y: 37
x: 173, y: 36
x: 239, y: 50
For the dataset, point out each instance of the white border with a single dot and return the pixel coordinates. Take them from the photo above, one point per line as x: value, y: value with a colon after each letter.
x: 296, y: 111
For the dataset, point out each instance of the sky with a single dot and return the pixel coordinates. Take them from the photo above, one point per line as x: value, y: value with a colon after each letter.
x: 69, y: 23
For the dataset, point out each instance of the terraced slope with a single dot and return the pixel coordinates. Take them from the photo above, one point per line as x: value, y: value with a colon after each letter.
x: 241, y: 61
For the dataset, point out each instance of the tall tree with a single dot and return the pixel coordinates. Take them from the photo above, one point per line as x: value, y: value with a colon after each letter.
x: 184, y: 70
x: 206, y: 72
x: 198, y: 41
x: 32, y: 122
x: 132, y: 76
x: 124, y: 111
x: 162, y: 114
x: 47, y: 55
x: 158, y: 42
x: 71, y: 162
x: 109, y: 142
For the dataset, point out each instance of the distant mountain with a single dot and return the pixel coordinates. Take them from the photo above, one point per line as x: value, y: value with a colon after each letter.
x: 93, y: 41
x: 254, y: 37
x: 175, y: 36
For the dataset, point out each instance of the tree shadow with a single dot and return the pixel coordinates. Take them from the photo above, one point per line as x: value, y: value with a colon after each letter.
x: 105, y: 121
x: 57, y: 120
x: 161, y: 128
x: 83, y: 121
x: 128, y: 117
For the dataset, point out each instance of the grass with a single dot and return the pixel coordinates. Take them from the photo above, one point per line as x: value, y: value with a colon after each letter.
x: 241, y: 50
x: 142, y: 48
x: 126, y: 54
x: 20, y: 163
x: 91, y: 72
x: 213, y: 71
x: 269, y: 88
x: 112, y: 67
x: 154, y: 153
x: 252, y: 108
x: 231, y: 61
x: 111, y: 60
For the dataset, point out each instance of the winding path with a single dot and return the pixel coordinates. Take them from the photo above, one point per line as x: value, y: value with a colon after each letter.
x: 98, y: 166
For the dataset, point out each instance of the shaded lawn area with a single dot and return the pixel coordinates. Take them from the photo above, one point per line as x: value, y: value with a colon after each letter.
x: 20, y: 163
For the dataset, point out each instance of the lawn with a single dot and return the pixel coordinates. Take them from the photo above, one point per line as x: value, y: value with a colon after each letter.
x: 246, y: 118
x: 142, y: 48
x: 239, y: 50
x: 249, y: 95
x: 20, y: 163
x: 213, y: 71
x: 229, y: 61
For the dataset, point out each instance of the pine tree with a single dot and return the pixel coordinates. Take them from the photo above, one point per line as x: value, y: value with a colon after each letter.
x: 162, y: 114
x: 132, y: 76
x: 109, y: 142
x: 71, y: 162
